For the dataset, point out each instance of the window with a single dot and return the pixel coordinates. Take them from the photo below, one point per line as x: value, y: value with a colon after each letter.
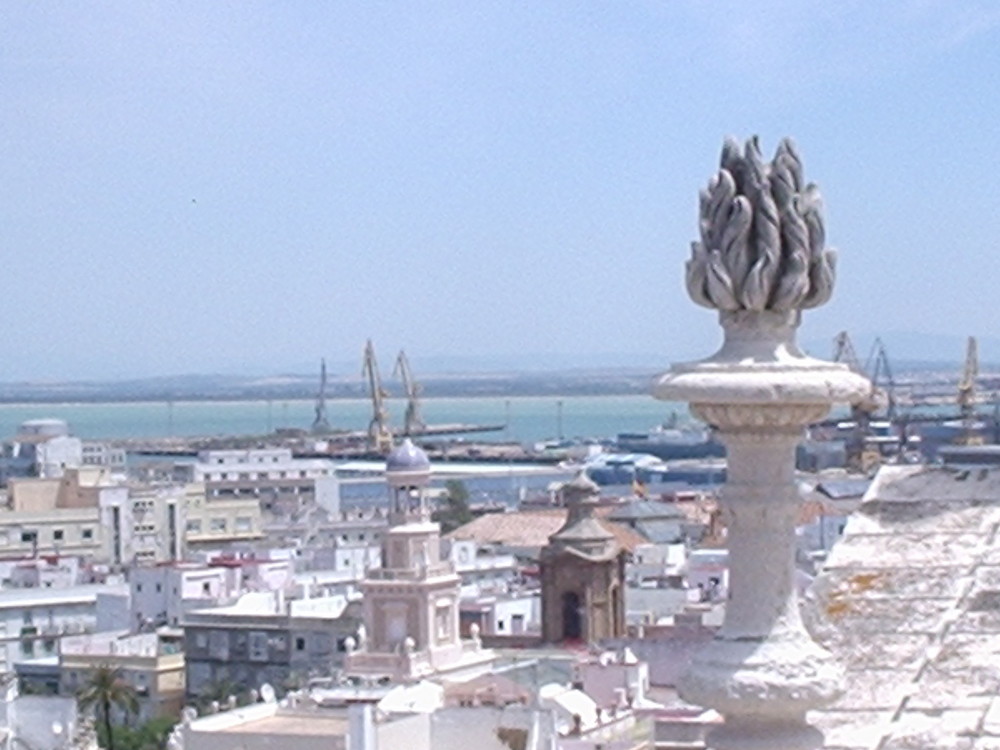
x: 29, y: 536
x: 159, y: 588
x: 258, y: 646
x: 57, y: 535
x: 138, y: 588
x: 244, y: 524
x: 218, y: 524
x: 194, y: 526
x: 206, y: 588
x: 87, y: 534
x: 300, y: 644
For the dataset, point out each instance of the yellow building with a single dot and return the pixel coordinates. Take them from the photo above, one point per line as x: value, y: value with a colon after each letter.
x: 152, y: 663
x: 217, y: 520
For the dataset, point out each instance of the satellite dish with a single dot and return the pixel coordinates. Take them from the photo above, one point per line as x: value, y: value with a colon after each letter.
x: 267, y: 693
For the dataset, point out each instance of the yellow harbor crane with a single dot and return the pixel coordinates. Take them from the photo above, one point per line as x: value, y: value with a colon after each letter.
x: 860, y: 456
x: 379, y: 434
x: 967, y: 394
x: 412, y: 422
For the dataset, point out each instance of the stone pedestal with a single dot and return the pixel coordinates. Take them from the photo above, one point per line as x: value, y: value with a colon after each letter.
x: 762, y: 671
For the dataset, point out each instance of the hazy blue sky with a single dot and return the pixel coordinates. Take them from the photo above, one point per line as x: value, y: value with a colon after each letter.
x: 209, y: 186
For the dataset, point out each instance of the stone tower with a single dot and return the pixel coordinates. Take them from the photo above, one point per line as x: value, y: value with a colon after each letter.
x: 582, y: 569
x: 411, y: 604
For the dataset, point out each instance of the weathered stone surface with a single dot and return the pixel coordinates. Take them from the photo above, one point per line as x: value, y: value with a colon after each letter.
x: 911, y: 599
x: 853, y: 730
x: 907, y: 549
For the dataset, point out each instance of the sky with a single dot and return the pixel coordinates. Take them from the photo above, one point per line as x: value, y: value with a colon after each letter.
x: 194, y: 187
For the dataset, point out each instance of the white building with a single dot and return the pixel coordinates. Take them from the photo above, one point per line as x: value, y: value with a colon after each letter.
x: 161, y: 594
x: 272, y: 475
x: 32, y: 621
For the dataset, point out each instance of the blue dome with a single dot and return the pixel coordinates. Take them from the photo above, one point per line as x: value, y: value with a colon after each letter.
x: 407, y: 457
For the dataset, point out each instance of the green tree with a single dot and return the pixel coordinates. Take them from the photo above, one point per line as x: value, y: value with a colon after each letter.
x: 454, y: 509
x: 152, y: 735
x: 105, y: 690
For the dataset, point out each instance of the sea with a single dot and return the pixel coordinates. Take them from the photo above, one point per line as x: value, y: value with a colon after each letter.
x: 526, y: 419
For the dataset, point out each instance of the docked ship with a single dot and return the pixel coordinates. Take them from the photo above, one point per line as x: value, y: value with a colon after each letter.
x: 671, y: 442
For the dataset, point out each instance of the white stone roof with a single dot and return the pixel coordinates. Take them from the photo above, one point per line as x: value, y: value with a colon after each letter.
x: 910, y: 602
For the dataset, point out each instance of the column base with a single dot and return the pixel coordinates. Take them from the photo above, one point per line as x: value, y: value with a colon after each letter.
x: 773, y: 680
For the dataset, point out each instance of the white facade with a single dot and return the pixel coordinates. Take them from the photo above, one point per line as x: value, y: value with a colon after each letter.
x: 143, y: 524
x: 250, y: 470
x: 32, y: 621
x: 481, y: 571
x: 162, y: 594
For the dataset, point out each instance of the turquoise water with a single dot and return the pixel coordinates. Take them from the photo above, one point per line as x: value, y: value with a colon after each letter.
x: 530, y: 418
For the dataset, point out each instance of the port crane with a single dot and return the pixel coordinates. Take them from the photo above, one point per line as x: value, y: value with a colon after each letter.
x: 412, y: 421
x: 379, y: 434
x: 321, y: 424
x: 878, y: 366
x: 858, y: 457
x: 967, y: 393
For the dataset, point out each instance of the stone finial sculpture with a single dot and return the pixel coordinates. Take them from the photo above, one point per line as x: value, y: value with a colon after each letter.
x: 760, y: 262
x: 762, y: 235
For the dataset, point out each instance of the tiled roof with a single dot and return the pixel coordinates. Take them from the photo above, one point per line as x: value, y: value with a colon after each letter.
x: 636, y: 510
x: 910, y: 602
x: 532, y: 528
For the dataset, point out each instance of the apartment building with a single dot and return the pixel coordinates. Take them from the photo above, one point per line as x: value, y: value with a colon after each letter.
x: 152, y: 663
x: 33, y: 621
x: 280, y: 482
x: 265, y: 639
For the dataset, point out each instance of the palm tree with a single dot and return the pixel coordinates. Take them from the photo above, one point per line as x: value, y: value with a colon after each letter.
x: 105, y: 689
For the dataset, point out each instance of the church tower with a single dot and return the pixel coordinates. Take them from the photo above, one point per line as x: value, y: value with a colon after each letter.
x: 411, y: 603
x: 583, y: 573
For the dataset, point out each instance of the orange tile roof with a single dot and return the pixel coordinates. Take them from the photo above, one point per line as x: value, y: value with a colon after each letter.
x: 532, y: 528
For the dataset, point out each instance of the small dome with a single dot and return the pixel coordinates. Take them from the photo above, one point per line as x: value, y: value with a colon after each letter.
x: 407, y: 457
x: 580, y: 489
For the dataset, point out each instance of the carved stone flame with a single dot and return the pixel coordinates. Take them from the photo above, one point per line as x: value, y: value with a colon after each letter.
x: 762, y: 236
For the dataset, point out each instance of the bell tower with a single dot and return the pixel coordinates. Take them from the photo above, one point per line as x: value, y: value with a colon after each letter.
x: 583, y: 573
x: 411, y: 604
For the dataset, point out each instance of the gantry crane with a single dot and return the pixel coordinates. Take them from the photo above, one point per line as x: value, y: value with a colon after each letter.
x: 320, y: 424
x: 858, y: 457
x: 412, y: 422
x: 967, y: 393
x: 881, y: 372
x: 379, y: 434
